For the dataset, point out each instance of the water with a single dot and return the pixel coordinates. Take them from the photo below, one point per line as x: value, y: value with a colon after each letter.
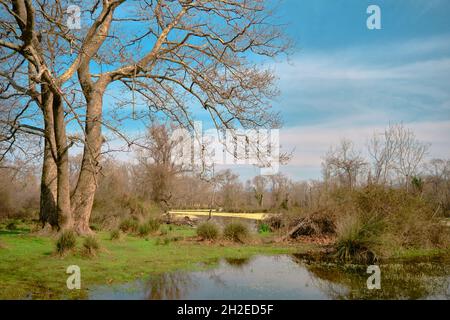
x: 287, y: 277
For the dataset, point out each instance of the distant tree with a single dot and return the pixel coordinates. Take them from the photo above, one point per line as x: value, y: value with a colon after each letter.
x: 259, y: 185
x: 230, y: 191
x: 279, y: 190
x: 157, y: 167
x: 409, y: 153
x: 382, y: 149
x: 438, y: 177
x: 344, y: 163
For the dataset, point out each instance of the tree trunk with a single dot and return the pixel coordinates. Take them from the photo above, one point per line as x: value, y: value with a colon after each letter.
x: 63, y: 208
x: 47, y: 212
x: 83, y: 196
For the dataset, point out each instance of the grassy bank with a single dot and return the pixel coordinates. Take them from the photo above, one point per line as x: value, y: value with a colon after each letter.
x: 30, y: 268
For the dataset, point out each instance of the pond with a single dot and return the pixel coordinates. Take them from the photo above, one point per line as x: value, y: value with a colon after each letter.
x: 287, y: 277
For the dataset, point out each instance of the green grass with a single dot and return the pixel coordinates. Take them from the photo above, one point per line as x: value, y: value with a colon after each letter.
x: 412, y: 254
x: 29, y: 264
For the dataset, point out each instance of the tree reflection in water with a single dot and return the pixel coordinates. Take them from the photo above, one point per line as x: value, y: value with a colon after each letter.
x: 177, y: 285
x: 169, y: 286
x: 238, y: 262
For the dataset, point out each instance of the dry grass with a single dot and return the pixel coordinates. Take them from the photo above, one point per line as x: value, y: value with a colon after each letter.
x: 208, y: 231
x: 377, y: 222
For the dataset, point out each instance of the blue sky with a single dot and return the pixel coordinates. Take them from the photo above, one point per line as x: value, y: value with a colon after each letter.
x: 344, y: 80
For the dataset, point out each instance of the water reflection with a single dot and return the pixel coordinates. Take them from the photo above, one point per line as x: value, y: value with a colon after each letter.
x: 405, y: 280
x: 238, y: 262
x: 288, y: 277
x: 169, y: 286
x: 419, y: 281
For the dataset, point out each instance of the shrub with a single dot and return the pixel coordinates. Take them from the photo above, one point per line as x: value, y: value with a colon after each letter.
x: 374, y: 221
x: 91, y: 245
x: 129, y: 225
x: 162, y: 241
x: 164, y: 230
x: 274, y: 222
x: 11, y: 226
x: 66, y: 242
x: 115, y: 234
x: 208, y: 231
x: 357, y: 240
x: 263, y: 228
x: 153, y: 224
x: 236, y: 231
x: 144, y: 229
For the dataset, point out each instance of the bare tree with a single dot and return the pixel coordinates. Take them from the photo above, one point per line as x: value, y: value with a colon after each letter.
x: 438, y: 176
x: 230, y: 189
x: 344, y: 163
x: 382, y: 149
x: 279, y: 189
x: 157, y: 166
x: 409, y: 154
x: 259, y: 186
x: 168, y: 53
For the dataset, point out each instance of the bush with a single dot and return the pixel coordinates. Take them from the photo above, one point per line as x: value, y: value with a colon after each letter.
x: 129, y: 225
x: 357, y: 240
x: 144, y: 229
x: 153, y: 224
x: 164, y: 230
x: 275, y: 222
x: 91, y: 245
x: 373, y: 221
x: 263, y: 228
x: 115, y: 234
x: 11, y: 226
x: 208, y: 231
x: 236, y: 231
x: 66, y: 242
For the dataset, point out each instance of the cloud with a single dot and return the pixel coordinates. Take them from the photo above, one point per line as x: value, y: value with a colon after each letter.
x: 352, y: 92
x: 310, y: 143
x: 409, y: 82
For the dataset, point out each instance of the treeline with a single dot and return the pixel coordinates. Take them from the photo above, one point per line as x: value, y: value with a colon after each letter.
x: 394, y: 159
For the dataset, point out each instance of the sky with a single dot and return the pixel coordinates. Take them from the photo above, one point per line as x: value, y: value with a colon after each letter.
x: 346, y: 81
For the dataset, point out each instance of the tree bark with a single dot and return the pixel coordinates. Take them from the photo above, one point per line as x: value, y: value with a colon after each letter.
x: 63, y: 207
x: 83, y: 196
x: 47, y: 212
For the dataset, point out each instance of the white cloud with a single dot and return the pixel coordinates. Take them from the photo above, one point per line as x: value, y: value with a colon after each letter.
x: 312, y: 142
